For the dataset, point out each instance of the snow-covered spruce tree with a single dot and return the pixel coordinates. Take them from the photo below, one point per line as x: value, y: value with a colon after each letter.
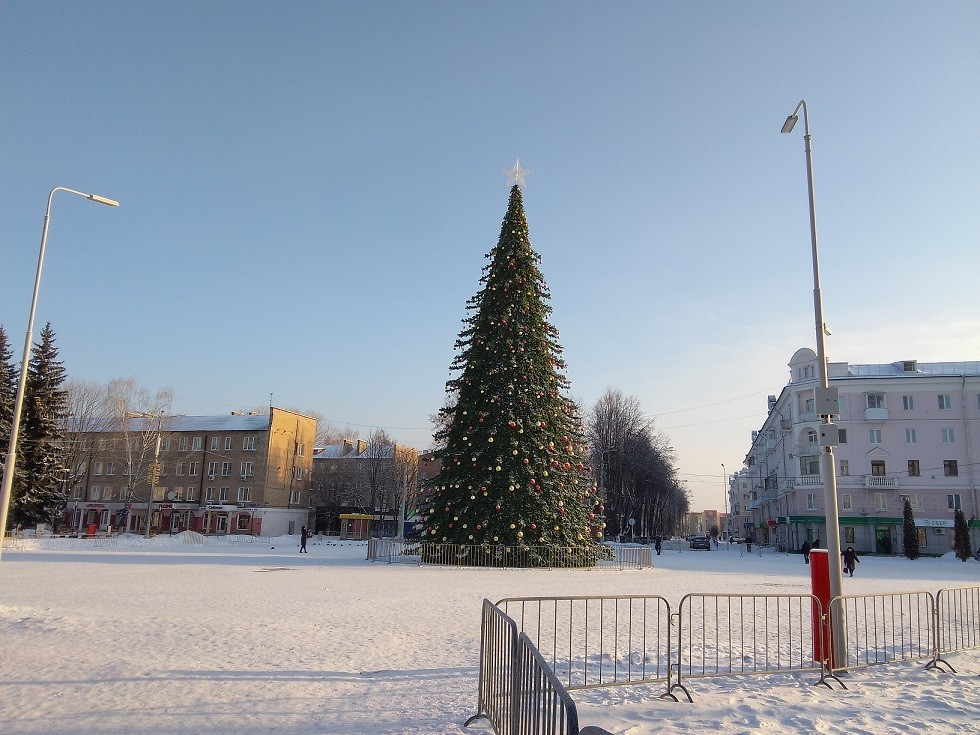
x: 511, y: 442
x: 38, y: 489
x: 910, y: 537
x: 8, y: 392
x: 961, y: 536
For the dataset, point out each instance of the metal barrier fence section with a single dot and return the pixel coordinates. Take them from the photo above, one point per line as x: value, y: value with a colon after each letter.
x: 598, y: 641
x: 957, y: 620
x: 394, y: 551
x: 498, y: 659
x: 725, y: 635
x: 880, y: 629
x: 542, y: 705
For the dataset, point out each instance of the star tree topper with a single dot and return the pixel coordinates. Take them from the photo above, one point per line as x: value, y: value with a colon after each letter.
x: 516, y: 174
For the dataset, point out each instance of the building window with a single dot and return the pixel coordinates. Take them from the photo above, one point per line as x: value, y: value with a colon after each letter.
x: 923, y: 538
x: 193, y: 468
x: 947, y: 438
x: 78, y: 493
x: 178, y: 493
x: 215, y: 443
x: 842, y: 436
x: 950, y: 468
x: 845, y: 468
x: 294, y: 497
x: 841, y: 404
x: 246, y: 469
x: 913, y: 468
x: 227, y: 443
x: 810, y: 464
x: 179, y: 469
x: 184, y: 444
x: 248, y: 444
x: 811, y: 501
x: 209, y: 495
x: 876, y: 400
x: 913, y: 500
x: 945, y: 404
x: 95, y: 493
x: 874, y: 436
x: 223, y: 495
x: 848, y: 534
x: 878, y: 468
x: 110, y: 467
x: 192, y: 494
x: 97, y: 468
x: 302, y: 450
x: 809, y: 406
x: 197, y: 444
x: 243, y: 520
x: 910, y: 436
x: 811, y: 439
x: 299, y: 473
x: 845, y: 502
x: 881, y: 501
x: 212, y: 469
x: 953, y: 501
x: 226, y: 469
x: 244, y: 494
x: 908, y: 404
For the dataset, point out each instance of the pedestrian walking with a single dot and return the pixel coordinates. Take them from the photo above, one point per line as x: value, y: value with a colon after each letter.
x: 850, y: 560
x: 806, y: 551
x: 303, y: 536
x: 657, y: 545
x: 748, y: 542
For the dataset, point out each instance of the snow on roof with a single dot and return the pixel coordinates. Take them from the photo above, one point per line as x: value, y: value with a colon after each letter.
x: 896, y: 369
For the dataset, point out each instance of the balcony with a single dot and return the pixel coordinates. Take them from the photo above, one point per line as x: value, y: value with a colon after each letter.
x: 879, y: 481
x: 809, y: 481
x: 876, y: 414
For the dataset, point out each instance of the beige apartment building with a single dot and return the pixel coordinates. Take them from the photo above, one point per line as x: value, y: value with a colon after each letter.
x: 232, y: 474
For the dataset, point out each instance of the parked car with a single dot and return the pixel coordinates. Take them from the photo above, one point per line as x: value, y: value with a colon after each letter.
x: 701, y: 542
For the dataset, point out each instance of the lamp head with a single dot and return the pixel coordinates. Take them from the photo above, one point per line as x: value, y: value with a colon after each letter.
x: 789, y: 124
x: 103, y: 200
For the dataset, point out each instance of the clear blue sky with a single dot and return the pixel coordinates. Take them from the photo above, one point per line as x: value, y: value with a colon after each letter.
x: 309, y: 189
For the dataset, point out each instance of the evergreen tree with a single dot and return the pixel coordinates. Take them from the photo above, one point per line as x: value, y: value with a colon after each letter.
x: 8, y: 392
x: 39, y: 488
x: 910, y: 536
x: 511, y: 443
x: 961, y: 536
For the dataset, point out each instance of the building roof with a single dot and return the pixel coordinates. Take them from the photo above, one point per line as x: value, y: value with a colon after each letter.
x: 897, y: 369
x: 232, y: 422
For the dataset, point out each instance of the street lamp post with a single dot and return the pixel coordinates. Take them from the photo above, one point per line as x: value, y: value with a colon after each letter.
x: 8, y: 467
x: 724, y: 483
x: 826, y: 402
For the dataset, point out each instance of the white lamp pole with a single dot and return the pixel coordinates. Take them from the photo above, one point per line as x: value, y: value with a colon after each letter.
x: 8, y: 467
x: 827, y: 467
x: 724, y: 483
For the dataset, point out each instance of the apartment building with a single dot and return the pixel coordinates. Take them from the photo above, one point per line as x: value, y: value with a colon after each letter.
x: 908, y: 430
x: 239, y: 473
x: 356, y: 477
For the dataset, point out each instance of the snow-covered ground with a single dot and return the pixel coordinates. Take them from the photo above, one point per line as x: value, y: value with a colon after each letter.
x: 156, y: 637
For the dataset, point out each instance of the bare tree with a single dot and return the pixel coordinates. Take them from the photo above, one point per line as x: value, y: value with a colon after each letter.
x: 140, y: 417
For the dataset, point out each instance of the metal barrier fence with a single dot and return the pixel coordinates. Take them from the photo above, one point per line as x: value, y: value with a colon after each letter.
x: 727, y: 635
x: 598, y: 641
x: 957, y: 621
x: 517, y: 692
x: 508, y: 557
x: 881, y: 629
x: 542, y: 705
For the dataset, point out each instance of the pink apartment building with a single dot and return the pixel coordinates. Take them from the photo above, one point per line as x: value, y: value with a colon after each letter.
x: 908, y: 430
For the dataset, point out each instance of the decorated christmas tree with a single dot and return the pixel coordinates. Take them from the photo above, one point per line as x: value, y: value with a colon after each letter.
x: 512, y: 451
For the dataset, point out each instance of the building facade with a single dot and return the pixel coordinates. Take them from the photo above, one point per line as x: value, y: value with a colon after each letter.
x: 237, y: 474
x: 364, y: 479
x: 908, y: 430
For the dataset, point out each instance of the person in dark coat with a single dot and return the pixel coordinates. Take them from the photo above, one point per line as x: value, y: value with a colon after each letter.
x: 850, y: 560
x: 748, y: 542
x: 806, y: 551
x: 303, y: 536
x: 657, y: 545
